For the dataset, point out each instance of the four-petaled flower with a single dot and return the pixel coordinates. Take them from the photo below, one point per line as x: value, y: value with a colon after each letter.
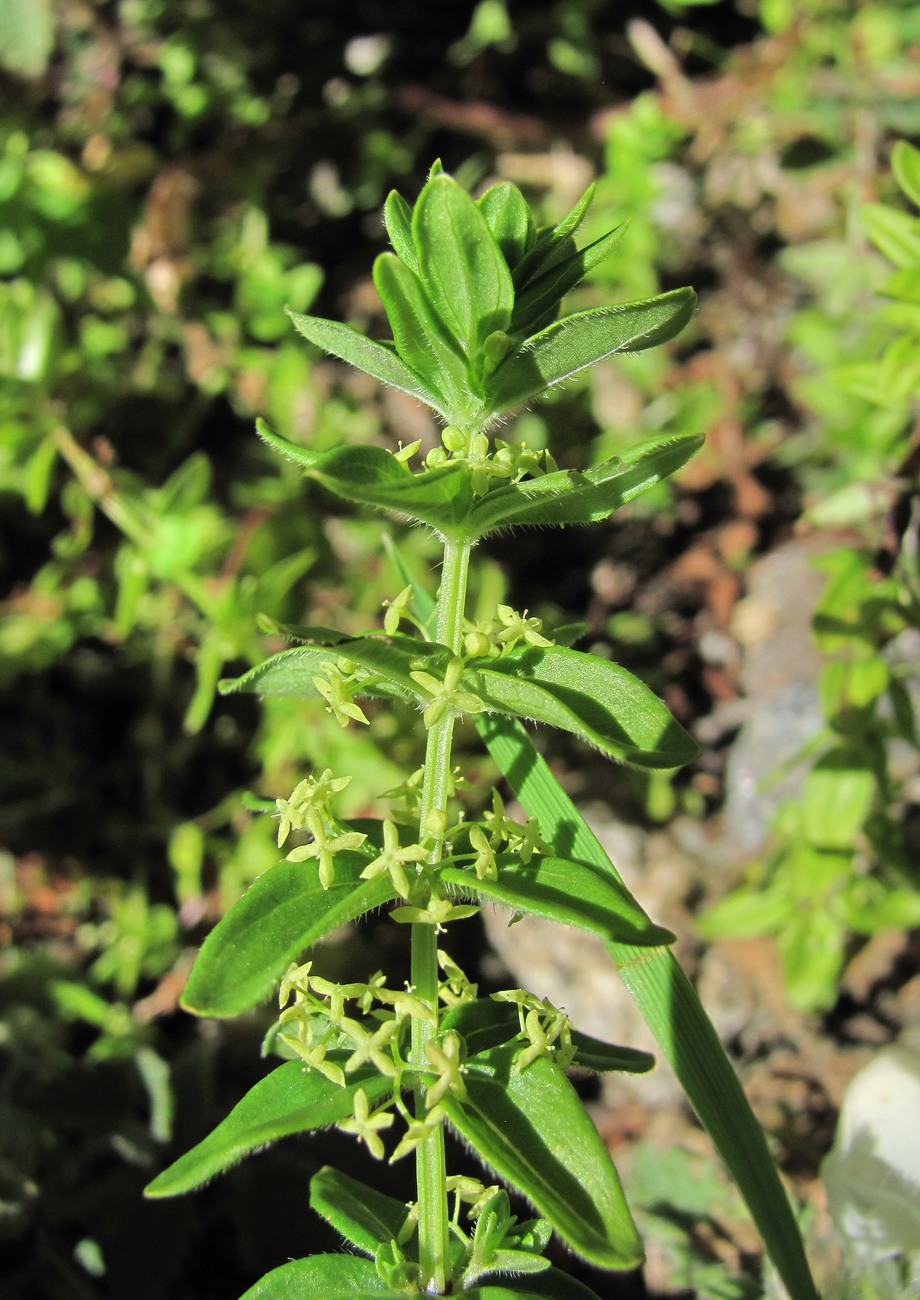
x: 445, y: 694
x: 373, y: 1047
x: 393, y: 859
x: 543, y: 1028
x: 325, y: 848
x: 417, y: 1130
x: 396, y: 610
x: 518, y: 627
x: 524, y: 839
x: 367, y: 1126
x: 485, y: 865
x: 438, y: 912
x: 445, y: 1060
x: 312, y: 793
x: 338, y: 692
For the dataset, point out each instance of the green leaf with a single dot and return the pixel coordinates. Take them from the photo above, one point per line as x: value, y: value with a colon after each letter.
x: 838, y: 794
x: 551, y: 1285
x: 893, y: 233
x: 443, y: 497
x: 606, y: 1058
x: 552, y: 244
x: 868, y: 905
x: 813, y: 947
x: 27, y: 36
x: 422, y: 340
x: 572, y: 497
x: 538, y: 305
x: 905, y: 163
x: 346, y: 1277
x: 573, y: 893
x: 373, y: 358
x: 290, y: 451
x: 530, y: 1127
x: 284, y: 912
x: 674, y: 1013
x: 397, y: 217
x: 365, y: 1217
x: 591, y: 697
x: 576, y: 342
x: 747, y: 912
x: 440, y: 497
x: 509, y: 218
x: 486, y: 1023
x: 292, y: 1099
x: 332, y: 1277
x: 461, y: 265
x: 389, y: 660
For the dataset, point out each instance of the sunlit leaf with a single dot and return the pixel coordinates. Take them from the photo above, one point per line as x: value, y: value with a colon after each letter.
x: 672, y: 1010
x: 894, y: 233
x: 538, y: 304
x: 573, y: 497
x: 365, y: 1217
x: 365, y: 354
x: 593, y: 698
x: 397, y: 217
x: 345, y: 1277
x: 576, y: 342
x: 573, y: 893
x: 486, y: 1023
x: 389, y: 661
x: 284, y: 912
x: 508, y: 216
x: 530, y: 1127
x: 460, y: 263
x: 553, y: 244
x: 441, y: 497
x: 839, y: 790
x: 292, y: 1099
x: 421, y: 338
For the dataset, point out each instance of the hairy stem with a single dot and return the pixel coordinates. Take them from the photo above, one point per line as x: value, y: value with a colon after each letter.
x: 430, y: 1164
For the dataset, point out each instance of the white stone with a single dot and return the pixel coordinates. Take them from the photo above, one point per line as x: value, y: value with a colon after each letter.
x: 872, y: 1175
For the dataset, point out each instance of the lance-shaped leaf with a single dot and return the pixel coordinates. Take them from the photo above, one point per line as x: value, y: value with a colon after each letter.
x: 345, y: 1277
x: 573, y: 497
x: 508, y: 216
x: 334, y: 1277
x: 576, y: 342
x: 422, y: 339
x: 461, y: 265
x: 894, y: 233
x: 283, y: 912
x: 530, y: 1127
x: 553, y: 244
x: 591, y: 697
x: 370, y: 476
x: 397, y: 217
x: 486, y: 1023
x: 905, y: 163
x: 551, y: 1285
x: 375, y: 359
x: 292, y: 1099
x: 674, y: 1013
x: 365, y: 1217
x: 301, y: 456
x: 389, y: 661
x: 538, y: 305
x: 574, y: 893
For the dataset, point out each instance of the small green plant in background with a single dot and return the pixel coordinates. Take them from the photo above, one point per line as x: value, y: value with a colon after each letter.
x: 472, y: 292
x: 842, y: 865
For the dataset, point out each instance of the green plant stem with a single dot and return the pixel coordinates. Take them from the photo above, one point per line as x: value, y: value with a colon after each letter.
x: 434, y: 1250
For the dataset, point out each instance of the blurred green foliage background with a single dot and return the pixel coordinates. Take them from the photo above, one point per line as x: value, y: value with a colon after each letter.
x: 172, y: 174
